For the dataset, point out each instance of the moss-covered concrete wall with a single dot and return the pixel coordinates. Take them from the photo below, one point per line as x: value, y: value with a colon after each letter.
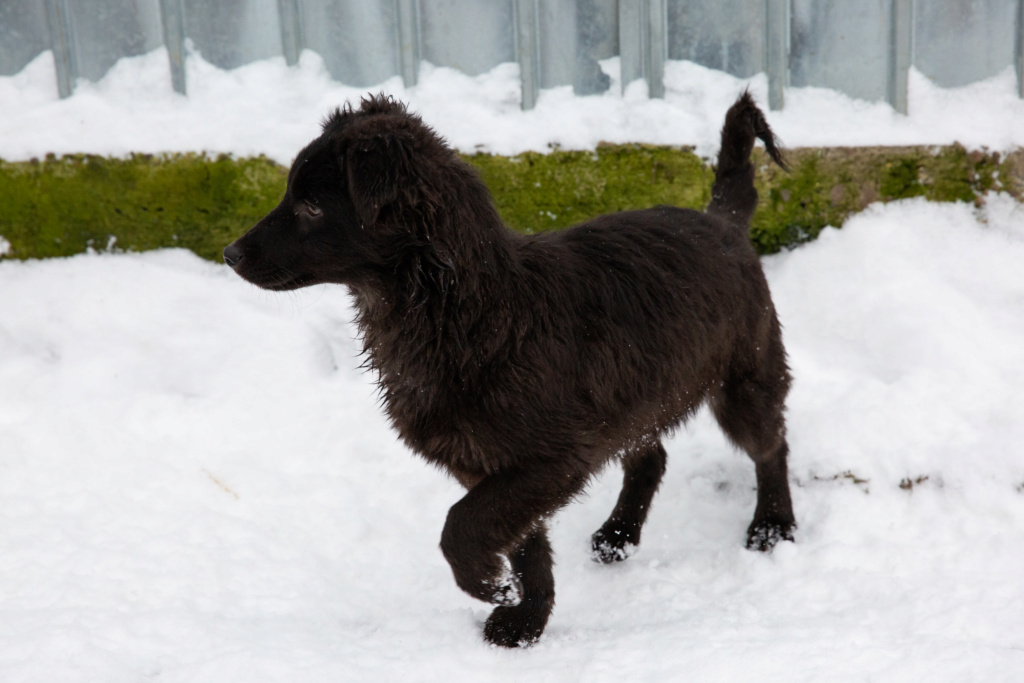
x: 63, y: 206
x: 58, y: 207
x: 825, y: 186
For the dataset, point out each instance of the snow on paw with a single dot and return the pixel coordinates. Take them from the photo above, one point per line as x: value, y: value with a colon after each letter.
x: 506, y: 589
x: 607, y: 548
x: 764, y: 536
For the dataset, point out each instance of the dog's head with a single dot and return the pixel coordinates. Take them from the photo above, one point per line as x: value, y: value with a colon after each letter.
x: 349, y: 207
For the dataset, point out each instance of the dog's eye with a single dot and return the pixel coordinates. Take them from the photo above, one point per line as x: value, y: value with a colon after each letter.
x: 312, y: 209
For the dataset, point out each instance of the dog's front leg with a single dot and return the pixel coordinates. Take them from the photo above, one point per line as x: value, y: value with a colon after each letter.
x: 521, y: 625
x: 495, y: 541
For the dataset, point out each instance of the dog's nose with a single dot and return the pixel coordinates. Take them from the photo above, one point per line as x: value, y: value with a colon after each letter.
x: 232, y: 255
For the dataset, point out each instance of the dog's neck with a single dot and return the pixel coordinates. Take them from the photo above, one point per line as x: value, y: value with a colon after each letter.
x: 444, y: 309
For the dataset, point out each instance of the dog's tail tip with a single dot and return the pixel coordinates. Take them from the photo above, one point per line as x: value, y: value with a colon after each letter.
x: 733, y: 193
x: 743, y: 122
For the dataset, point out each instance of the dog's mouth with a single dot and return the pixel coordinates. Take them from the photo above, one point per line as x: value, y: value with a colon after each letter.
x: 275, y: 279
x: 263, y: 273
x: 288, y: 284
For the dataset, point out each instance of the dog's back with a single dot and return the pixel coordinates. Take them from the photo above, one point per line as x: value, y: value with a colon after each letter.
x: 650, y: 306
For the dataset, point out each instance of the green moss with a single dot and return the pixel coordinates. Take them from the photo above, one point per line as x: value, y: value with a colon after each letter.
x: 946, y: 174
x: 792, y: 208
x: 538, y: 192
x: 58, y: 207
x: 825, y: 186
x: 821, y: 188
x: 954, y: 174
x: 899, y: 178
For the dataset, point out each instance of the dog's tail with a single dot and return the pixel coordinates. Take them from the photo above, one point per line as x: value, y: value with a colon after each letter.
x: 733, y: 195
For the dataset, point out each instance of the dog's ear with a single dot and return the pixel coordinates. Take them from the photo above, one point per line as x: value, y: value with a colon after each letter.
x: 375, y: 164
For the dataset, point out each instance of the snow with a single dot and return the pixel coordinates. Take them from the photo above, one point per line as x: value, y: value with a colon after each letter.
x: 268, y: 108
x: 197, y: 483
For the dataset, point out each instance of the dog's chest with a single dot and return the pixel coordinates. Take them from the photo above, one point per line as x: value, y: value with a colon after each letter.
x: 441, y: 421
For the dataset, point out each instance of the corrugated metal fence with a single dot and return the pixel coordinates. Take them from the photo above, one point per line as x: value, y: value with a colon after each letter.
x: 861, y: 47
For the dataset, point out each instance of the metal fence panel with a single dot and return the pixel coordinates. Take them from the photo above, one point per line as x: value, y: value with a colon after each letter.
x: 230, y: 33
x: 559, y: 40
x: 728, y: 35
x: 632, y: 40
x: 842, y: 45
x: 597, y: 38
x: 107, y: 30
x: 23, y: 34
x: 943, y: 30
x: 467, y: 35
x: 358, y: 40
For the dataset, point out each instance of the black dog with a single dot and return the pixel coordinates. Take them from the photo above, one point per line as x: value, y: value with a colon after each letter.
x: 522, y: 365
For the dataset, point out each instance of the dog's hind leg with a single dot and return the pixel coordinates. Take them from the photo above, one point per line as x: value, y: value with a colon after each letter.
x: 749, y: 408
x: 619, y: 536
x: 522, y: 624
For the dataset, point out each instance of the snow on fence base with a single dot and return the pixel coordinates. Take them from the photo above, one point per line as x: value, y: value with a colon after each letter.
x: 863, y: 49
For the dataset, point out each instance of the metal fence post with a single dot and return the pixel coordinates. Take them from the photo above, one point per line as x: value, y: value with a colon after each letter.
x: 527, y: 41
x: 291, y: 30
x: 901, y: 33
x: 1018, y: 48
x: 62, y: 42
x: 776, y: 43
x: 173, y: 20
x: 408, y: 41
x: 657, y: 47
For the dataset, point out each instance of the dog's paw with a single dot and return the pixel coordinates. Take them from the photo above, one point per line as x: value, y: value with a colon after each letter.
x: 519, y: 626
x: 610, y: 544
x: 763, y: 536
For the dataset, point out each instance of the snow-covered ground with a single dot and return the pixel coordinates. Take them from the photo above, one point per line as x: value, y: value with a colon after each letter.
x: 196, y: 483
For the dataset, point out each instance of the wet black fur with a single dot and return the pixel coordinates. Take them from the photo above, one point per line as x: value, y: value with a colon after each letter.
x: 523, y: 364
